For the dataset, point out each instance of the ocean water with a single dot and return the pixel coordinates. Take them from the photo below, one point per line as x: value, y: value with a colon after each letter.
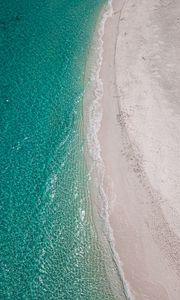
x: 49, y: 245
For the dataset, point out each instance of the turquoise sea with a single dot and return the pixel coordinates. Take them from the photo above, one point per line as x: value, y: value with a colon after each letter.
x: 49, y: 246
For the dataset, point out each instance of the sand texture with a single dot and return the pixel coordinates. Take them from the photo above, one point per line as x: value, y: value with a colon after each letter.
x: 140, y: 142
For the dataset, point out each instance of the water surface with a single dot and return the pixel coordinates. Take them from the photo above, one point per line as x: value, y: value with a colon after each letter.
x: 49, y: 244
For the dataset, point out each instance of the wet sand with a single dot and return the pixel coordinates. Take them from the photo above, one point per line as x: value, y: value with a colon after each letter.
x: 140, y: 142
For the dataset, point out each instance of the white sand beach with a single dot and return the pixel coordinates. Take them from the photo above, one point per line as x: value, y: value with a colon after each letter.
x: 140, y: 142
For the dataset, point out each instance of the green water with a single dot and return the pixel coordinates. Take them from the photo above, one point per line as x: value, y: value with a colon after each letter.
x: 49, y: 245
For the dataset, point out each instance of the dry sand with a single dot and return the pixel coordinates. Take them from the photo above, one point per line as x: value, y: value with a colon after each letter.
x: 140, y: 142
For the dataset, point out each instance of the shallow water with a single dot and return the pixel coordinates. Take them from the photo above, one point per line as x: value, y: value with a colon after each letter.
x: 49, y: 243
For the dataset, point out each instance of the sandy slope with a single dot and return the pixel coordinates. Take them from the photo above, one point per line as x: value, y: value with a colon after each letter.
x: 140, y: 142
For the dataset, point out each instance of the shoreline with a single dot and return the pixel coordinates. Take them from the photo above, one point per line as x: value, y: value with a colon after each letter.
x: 127, y: 138
x: 92, y: 111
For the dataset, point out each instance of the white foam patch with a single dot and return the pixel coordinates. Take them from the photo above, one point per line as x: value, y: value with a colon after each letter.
x: 95, y: 110
x: 94, y: 124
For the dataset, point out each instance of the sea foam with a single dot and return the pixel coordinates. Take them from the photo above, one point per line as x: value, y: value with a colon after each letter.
x: 95, y: 113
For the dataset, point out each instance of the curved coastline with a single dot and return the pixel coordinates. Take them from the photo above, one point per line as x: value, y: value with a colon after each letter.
x: 93, y: 111
x: 141, y: 229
